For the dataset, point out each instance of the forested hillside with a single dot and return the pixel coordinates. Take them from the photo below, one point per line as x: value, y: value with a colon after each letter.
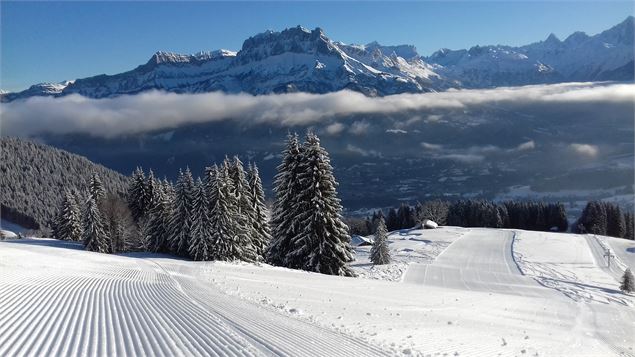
x: 34, y: 177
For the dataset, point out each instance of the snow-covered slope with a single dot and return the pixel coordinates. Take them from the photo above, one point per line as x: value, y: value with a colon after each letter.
x: 59, y: 300
x: 483, y: 294
x: 605, y: 56
x: 297, y: 59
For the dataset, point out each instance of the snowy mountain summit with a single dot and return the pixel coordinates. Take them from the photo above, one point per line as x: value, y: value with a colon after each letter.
x: 580, y: 57
x: 302, y: 60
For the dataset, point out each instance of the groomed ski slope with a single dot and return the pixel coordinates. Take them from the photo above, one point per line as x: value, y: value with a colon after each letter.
x: 57, y: 300
x: 485, y: 294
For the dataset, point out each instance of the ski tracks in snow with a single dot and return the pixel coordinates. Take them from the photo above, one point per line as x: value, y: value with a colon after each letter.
x: 74, y: 303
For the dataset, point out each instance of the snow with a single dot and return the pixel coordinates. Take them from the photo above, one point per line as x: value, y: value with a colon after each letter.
x: 405, y: 246
x: 624, y: 249
x: 430, y: 224
x: 4, y: 234
x: 60, y: 300
x: 359, y: 240
x: 10, y: 226
x: 567, y: 263
x: 467, y: 292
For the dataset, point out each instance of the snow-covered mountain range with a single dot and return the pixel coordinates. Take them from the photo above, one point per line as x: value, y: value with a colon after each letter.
x: 298, y: 59
x: 580, y: 57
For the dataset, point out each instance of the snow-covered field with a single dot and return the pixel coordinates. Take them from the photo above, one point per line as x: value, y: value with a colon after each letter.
x: 482, y: 292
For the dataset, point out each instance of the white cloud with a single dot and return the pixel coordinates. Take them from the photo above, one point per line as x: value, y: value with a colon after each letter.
x: 359, y: 128
x: 471, y: 154
x: 429, y: 146
x: 362, y: 152
x: 433, y: 118
x: 153, y: 110
x: 529, y: 145
x: 464, y: 158
x: 396, y: 131
x: 585, y: 149
x: 335, y: 128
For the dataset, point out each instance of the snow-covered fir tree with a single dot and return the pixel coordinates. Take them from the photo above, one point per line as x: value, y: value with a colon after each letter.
x: 261, y: 234
x: 68, y: 225
x: 322, y: 243
x: 209, y: 184
x: 284, y: 225
x: 151, y: 186
x: 628, y: 282
x: 379, y: 253
x: 228, y: 242
x: 222, y: 214
x: 201, y: 242
x: 158, y: 217
x: 245, y: 214
x: 180, y: 225
x: 94, y: 235
x: 629, y: 226
x: 96, y: 188
x: 168, y: 190
x: 137, y: 194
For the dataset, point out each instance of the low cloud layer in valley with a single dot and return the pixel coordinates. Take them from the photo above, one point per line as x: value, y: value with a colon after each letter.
x: 155, y: 110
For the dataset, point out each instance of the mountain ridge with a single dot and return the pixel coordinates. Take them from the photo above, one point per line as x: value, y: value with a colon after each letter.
x: 301, y: 60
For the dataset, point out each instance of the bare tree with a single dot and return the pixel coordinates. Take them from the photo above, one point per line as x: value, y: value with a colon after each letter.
x: 436, y: 211
x: 118, y: 223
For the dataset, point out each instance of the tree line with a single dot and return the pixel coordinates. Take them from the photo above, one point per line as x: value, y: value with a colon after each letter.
x: 221, y: 216
x: 538, y: 216
x: 33, y: 175
x: 605, y: 218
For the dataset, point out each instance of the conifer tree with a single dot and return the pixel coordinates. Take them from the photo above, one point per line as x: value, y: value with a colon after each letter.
x: 96, y: 188
x: 168, y: 190
x: 137, y: 194
x: 392, y: 221
x: 628, y: 282
x: 94, y: 236
x: 379, y: 253
x: 180, y: 223
x: 284, y: 225
x: 593, y: 219
x: 245, y: 215
x: 616, y: 226
x: 151, y: 186
x: 261, y: 234
x: 560, y: 218
x: 629, y: 224
x: 322, y: 244
x: 209, y: 182
x: 158, y: 217
x: 68, y: 225
x: 201, y: 241
x: 405, y: 216
x: 225, y: 242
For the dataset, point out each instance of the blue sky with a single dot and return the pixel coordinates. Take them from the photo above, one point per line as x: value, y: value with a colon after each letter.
x: 54, y: 41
